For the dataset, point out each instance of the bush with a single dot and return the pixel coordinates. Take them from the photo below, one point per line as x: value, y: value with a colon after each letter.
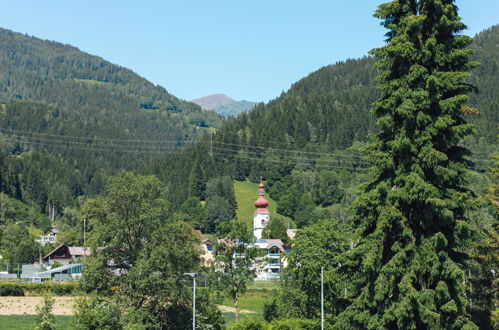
x: 297, y: 324
x: 270, y: 311
x: 250, y: 323
x: 22, y: 289
x: 45, y: 316
x: 9, y: 289
x: 96, y: 313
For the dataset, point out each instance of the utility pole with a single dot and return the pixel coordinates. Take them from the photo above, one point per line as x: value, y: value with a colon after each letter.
x: 193, y: 275
x: 322, y: 298
x: 84, y: 238
x: 211, y: 145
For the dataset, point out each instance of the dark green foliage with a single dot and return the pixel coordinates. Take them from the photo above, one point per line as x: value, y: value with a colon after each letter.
x: 17, y: 246
x: 131, y: 211
x: 217, y: 212
x: 223, y: 187
x: 289, y: 324
x: 9, y: 289
x: 132, y: 225
x: 486, y: 79
x: 270, y: 311
x: 196, y: 213
x: 96, y: 313
x: 316, y: 246
x: 407, y: 269
x: 20, y: 289
x: 277, y: 229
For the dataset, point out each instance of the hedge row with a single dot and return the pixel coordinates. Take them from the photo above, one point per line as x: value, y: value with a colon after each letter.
x: 22, y: 289
x: 250, y: 323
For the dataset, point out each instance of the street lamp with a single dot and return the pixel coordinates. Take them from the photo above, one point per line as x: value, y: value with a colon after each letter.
x: 322, y: 298
x: 193, y: 275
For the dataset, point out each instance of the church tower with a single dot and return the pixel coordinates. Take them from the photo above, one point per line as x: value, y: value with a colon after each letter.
x: 261, y: 216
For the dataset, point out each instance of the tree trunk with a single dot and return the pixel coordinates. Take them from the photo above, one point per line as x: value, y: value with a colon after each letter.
x: 237, y: 309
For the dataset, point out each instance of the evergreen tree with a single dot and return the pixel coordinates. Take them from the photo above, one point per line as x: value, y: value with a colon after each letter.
x: 407, y: 270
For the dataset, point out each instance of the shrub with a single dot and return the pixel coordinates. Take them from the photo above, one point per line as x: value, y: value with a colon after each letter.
x: 22, y: 289
x: 96, y: 313
x: 250, y: 323
x: 297, y: 324
x: 45, y: 319
x: 10, y: 289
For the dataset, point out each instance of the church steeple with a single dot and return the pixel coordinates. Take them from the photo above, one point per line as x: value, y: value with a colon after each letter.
x: 261, y: 215
x: 261, y: 203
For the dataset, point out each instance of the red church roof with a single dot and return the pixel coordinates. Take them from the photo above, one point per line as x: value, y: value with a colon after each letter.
x: 261, y: 203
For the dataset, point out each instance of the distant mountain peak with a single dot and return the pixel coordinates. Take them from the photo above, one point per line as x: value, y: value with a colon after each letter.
x: 223, y: 105
x: 212, y: 101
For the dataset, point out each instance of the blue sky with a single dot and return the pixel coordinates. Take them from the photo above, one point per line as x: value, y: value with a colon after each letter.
x: 249, y: 50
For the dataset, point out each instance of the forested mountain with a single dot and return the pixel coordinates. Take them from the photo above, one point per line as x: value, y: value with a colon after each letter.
x: 68, y: 120
x: 332, y: 105
x: 100, y: 96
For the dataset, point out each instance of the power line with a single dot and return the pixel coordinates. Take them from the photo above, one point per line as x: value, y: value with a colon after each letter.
x: 57, y: 140
x: 221, y: 153
x: 93, y: 148
x: 20, y: 132
x: 304, y: 159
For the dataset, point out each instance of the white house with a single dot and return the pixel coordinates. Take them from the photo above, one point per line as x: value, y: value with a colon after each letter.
x: 49, y: 238
x: 270, y: 265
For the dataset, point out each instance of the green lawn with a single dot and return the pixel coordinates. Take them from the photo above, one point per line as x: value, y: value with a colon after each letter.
x: 27, y: 322
x: 246, y: 195
x: 255, y: 298
x: 231, y: 317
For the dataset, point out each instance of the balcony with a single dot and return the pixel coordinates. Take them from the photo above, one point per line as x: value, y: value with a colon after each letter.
x: 274, y: 265
x: 273, y: 255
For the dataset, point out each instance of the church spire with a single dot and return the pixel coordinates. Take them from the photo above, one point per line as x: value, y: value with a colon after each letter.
x: 261, y: 203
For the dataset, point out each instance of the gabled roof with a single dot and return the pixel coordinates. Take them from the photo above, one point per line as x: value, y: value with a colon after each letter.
x: 74, y: 251
x: 79, y: 251
x: 270, y: 243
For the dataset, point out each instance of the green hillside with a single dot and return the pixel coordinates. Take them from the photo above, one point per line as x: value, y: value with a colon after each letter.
x: 246, y: 195
x: 331, y: 105
x: 69, y: 119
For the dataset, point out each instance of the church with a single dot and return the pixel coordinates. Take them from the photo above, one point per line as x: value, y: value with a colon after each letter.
x: 261, y: 217
x: 270, y: 267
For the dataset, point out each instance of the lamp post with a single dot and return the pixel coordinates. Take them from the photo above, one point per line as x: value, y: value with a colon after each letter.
x: 193, y: 275
x: 322, y: 298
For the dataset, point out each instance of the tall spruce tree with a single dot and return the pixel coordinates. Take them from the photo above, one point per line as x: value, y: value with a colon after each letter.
x: 407, y: 270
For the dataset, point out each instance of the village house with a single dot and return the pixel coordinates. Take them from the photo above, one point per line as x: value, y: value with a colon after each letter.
x: 207, y: 256
x: 50, y: 238
x: 65, y: 255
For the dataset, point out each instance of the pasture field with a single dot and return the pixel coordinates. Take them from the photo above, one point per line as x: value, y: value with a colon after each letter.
x: 27, y: 322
